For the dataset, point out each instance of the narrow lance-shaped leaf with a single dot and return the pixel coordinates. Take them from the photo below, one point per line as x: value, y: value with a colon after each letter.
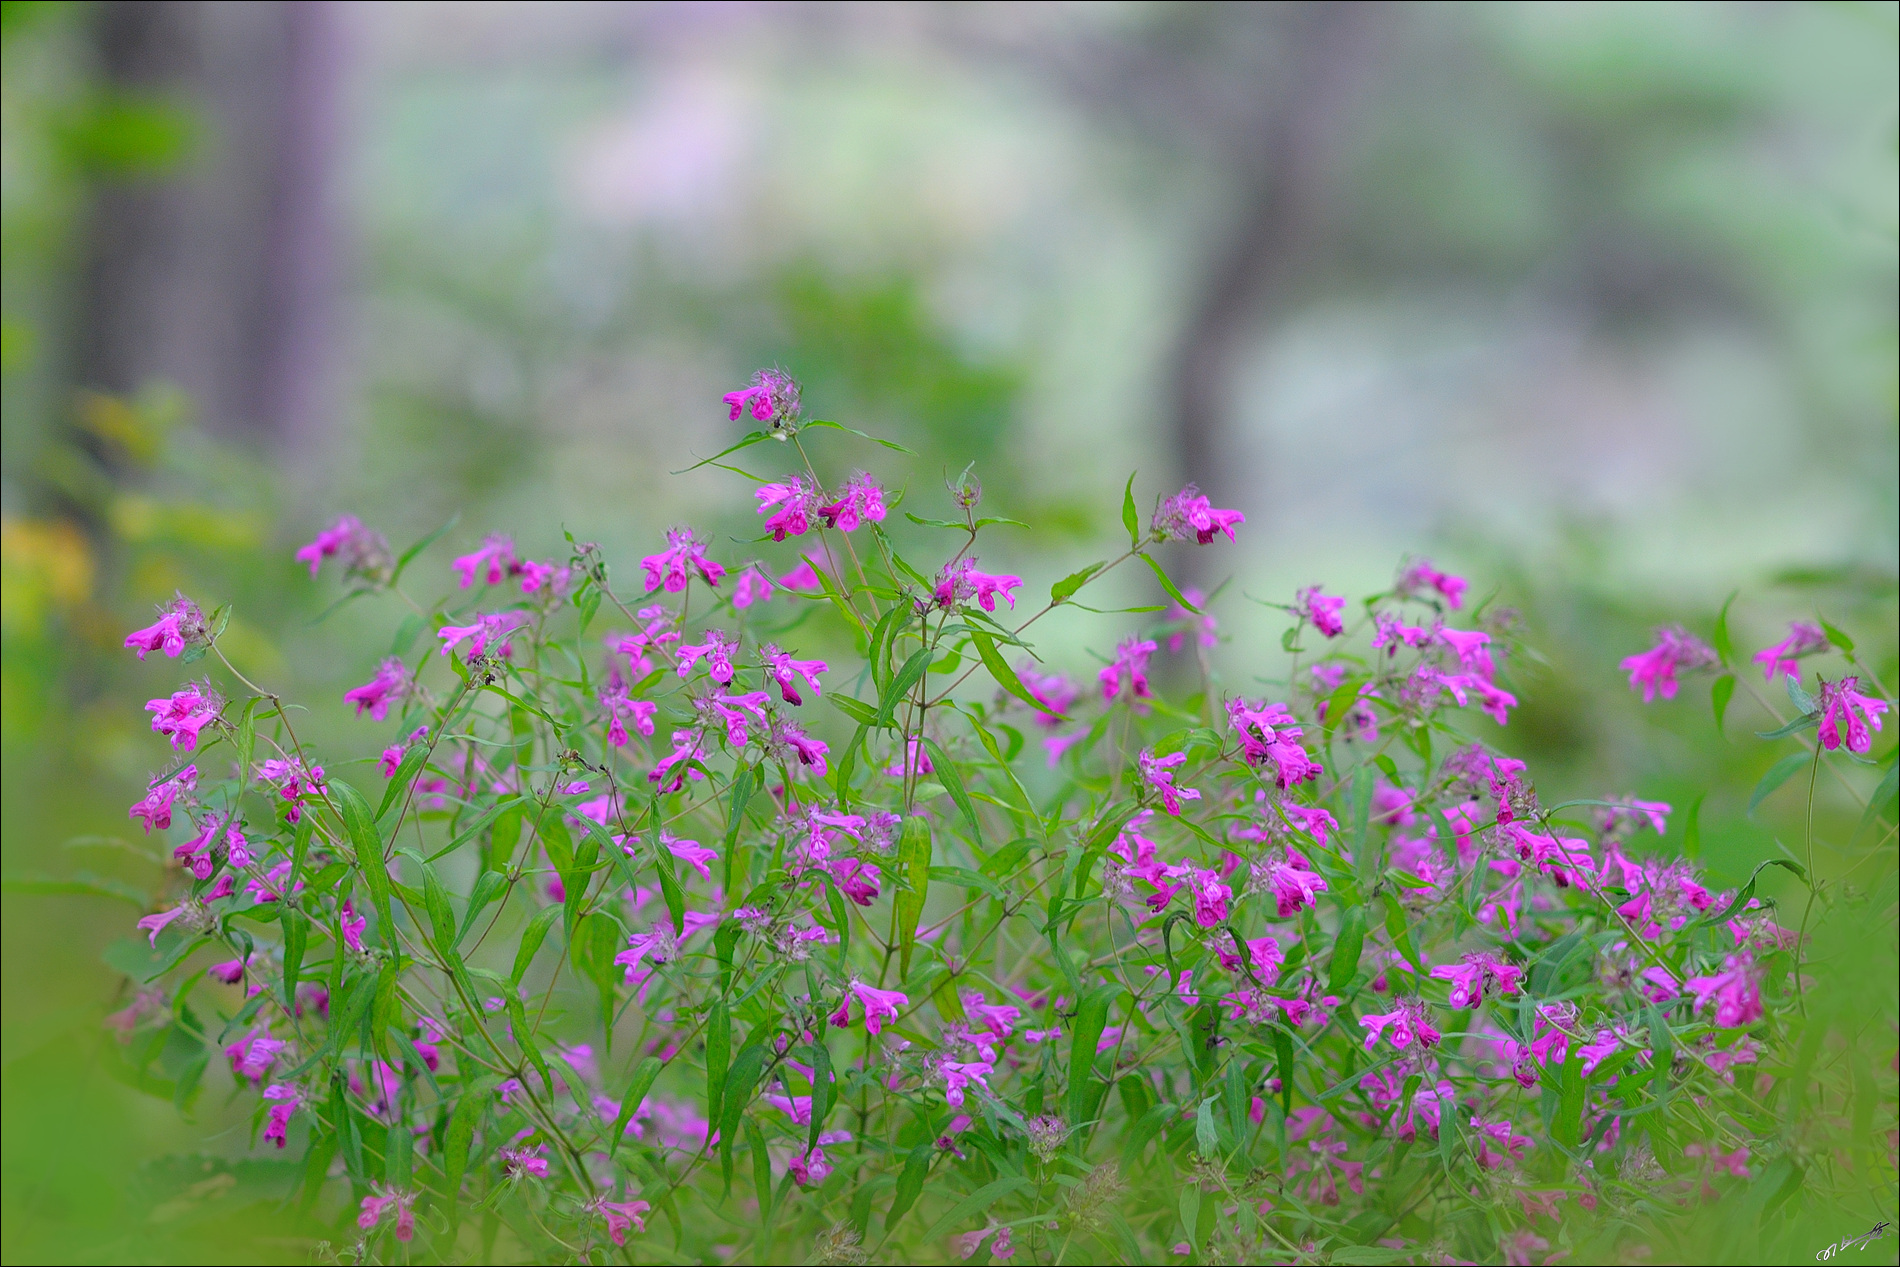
x: 913, y: 870
x: 1006, y: 676
x: 369, y: 848
x: 637, y: 1087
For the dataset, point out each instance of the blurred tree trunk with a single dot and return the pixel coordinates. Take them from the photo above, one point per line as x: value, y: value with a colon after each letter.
x: 219, y: 276
x: 1284, y: 163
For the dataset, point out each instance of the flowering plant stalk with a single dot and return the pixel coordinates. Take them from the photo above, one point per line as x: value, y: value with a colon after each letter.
x: 643, y: 932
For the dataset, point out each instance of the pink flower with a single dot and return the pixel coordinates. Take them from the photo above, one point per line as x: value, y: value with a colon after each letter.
x: 1188, y: 513
x: 1410, y: 1022
x: 293, y: 782
x: 252, y: 1055
x: 1735, y: 1163
x: 517, y: 1162
x: 752, y: 587
x: 377, y: 1203
x: 353, y: 926
x: 1210, y: 896
x: 998, y: 1018
x: 347, y: 537
x: 1055, y: 692
x: 492, y: 628
x: 1130, y: 668
x: 1420, y: 574
x: 1294, y: 887
x: 392, y: 682
x: 177, y: 624
x: 784, y: 669
x: 153, y: 925
x: 796, y: 503
x: 196, y: 854
x: 622, y: 1215
x: 187, y: 712
x: 1499, y: 1133
x: 1803, y: 639
x: 1842, y: 701
x: 789, y: 740
x: 669, y: 568
x: 960, y: 581
x: 771, y: 397
x: 1264, y: 954
x: 861, y: 502
x: 621, y: 710
x: 1469, y: 978
x: 691, y: 852
x: 1654, y: 671
x: 804, y: 577
x: 287, y: 1100
x: 808, y: 1168
x: 856, y: 879
x: 686, y: 749
x: 969, y: 1242
x: 637, y: 646
x: 1311, y: 819
x: 732, y: 710
x: 958, y: 1076
x: 1208, y: 635
x: 1390, y: 632
x: 877, y: 1006
x: 1323, y: 610
x: 716, y: 651
x: 230, y: 972
x: 1472, y: 647
x: 1159, y: 774
x: 494, y: 562
x: 271, y: 887
x: 155, y: 808
x: 1736, y: 991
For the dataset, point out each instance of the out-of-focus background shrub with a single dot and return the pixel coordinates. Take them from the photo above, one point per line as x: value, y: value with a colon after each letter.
x: 1595, y: 303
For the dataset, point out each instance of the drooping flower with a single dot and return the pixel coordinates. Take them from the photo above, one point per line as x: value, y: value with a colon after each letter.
x: 1499, y: 1133
x: 1406, y: 1024
x: 491, y: 629
x: 998, y: 1018
x: 961, y: 581
x: 518, y: 1163
x: 1210, y: 896
x: 855, y: 878
x: 771, y: 398
x: 1188, y: 513
x: 1419, y: 574
x: 1158, y: 772
x: 861, y: 502
x: 792, y: 502
x: 360, y: 550
x: 252, y: 1055
x: 1206, y: 628
x: 155, y: 808
x: 789, y: 740
x: 1472, y: 647
x: 1390, y: 632
x: 552, y: 577
x: 153, y: 925
x: 1843, y: 701
x: 196, y: 854
x: 785, y: 670
x: 392, y: 682
x: 686, y: 749
x: 638, y: 647
x: 185, y: 714
x: 959, y: 1075
x: 178, y: 624
x: 1264, y: 957
x: 294, y: 782
x: 353, y: 926
x: 1129, y: 668
x: 877, y: 1006
x: 621, y: 1216
x: 494, y: 562
x: 621, y: 710
x: 286, y: 1100
x: 1653, y: 672
x: 1736, y: 990
x: 1323, y: 610
x: 1290, y: 879
x: 684, y: 552
x: 716, y: 651
x: 753, y: 586
x: 731, y: 710
x: 1000, y: 1248
x: 379, y: 1203
x: 1470, y: 978
x: 1783, y: 657
x: 802, y: 579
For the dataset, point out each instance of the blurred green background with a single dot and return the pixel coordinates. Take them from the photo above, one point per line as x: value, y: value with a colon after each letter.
x: 1594, y: 303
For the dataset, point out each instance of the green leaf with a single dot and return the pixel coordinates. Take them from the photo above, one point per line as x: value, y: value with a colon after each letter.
x: 1692, y: 829
x: 1169, y: 586
x: 824, y: 1090
x: 1006, y: 676
x: 1885, y: 792
x: 1283, y: 1054
x: 412, y: 763
x: 909, y: 1184
x: 1779, y: 773
x: 637, y: 1087
x: 952, y: 779
x: 1803, y: 702
x: 1131, y: 518
x: 370, y: 862
x: 1720, y: 693
x: 863, y: 435
x: 973, y: 1205
x: 460, y: 1133
x: 970, y: 879
x: 441, y: 915
x: 761, y: 1169
x: 1206, y: 1134
x: 741, y: 1080
x: 856, y: 709
x: 1090, y: 1019
x: 80, y: 882
x: 296, y: 936
x: 410, y: 554
x: 718, y: 1055
x: 1835, y: 636
x: 1347, y: 948
x: 1066, y: 588
x: 1723, y: 647
x: 913, y: 872
x: 1747, y: 891
x: 900, y: 686
x: 531, y: 938
x: 489, y: 887
x: 1189, y: 1204
x: 750, y: 438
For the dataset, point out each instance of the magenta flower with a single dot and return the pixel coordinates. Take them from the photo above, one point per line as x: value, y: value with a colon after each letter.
x: 1736, y: 990
x: 177, y: 625
x: 155, y: 809
x: 1390, y: 632
x: 185, y: 714
x: 1420, y: 574
x: 789, y: 740
x: 855, y: 878
x: 549, y: 576
x: 1187, y: 513
x: 811, y: 1167
x: 1208, y: 634
x: 771, y: 397
x: 998, y: 1018
x: 287, y: 1100
x: 1210, y: 896
x: 1263, y: 954
x: 716, y: 651
x: 1654, y: 671
x: 690, y: 852
x: 494, y: 562
x: 961, y: 581
x: 959, y: 1075
x: 153, y: 925
x: 803, y: 578
x: 359, y: 549
x: 732, y: 710
x: 753, y: 586
x: 293, y: 782
x: 620, y: 1216
x: 861, y: 502
x: 391, y: 759
x: 877, y: 1005
x: 1129, y: 668
x: 195, y: 855
x: 353, y: 926
x: 1159, y: 774
x: 495, y: 628
x: 517, y: 1163
x: 969, y: 1242
x: 1472, y: 647
x: 1409, y: 1023
x: 392, y: 682
x: 1735, y: 1163
x: 271, y: 887
x: 252, y: 1055
x: 1803, y: 639
x: 1842, y: 701
x: 1323, y: 610
x: 1498, y: 1133
x: 1468, y: 979
x: 379, y: 1203
x: 1311, y: 819
x: 1293, y: 885
x: 784, y: 670
x: 686, y: 749
x: 621, y: 710
x: 670, y: 567
x: 795, y: 502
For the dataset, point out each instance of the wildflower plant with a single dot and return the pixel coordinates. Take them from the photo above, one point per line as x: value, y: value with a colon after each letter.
x: 634, y: 929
